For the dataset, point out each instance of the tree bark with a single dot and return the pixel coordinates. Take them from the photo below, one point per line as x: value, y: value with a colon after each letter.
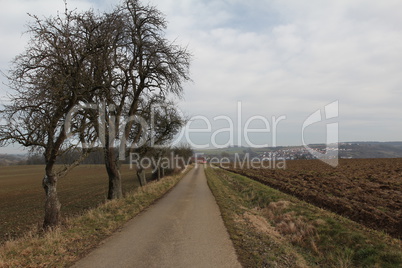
x: 139, y: 177
x: 52, y: 204
x: 144, y: 178
x: 115, y: 187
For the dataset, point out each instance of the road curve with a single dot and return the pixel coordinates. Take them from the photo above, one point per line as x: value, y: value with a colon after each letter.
x: 183, y: 229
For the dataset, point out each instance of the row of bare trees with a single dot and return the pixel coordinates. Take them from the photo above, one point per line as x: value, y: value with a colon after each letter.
x: 95, y: 80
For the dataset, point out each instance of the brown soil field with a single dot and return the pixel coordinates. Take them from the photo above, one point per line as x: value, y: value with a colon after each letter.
x: 368, y: 191
x: 22, y: 195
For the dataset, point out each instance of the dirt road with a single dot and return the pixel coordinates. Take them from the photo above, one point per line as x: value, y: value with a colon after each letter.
x: 183, y: 229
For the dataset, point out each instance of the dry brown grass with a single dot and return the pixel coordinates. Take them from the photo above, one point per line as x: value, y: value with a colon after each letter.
x: 273, y: 229
x: 262, y: 225
x: 368, y: 191
x: 63, y: 246
x: 297, y: 229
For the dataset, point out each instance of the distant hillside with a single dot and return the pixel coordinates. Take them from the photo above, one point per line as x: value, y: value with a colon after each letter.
x: 346, y: 150
x: 371, y: 150
x: 11, y: 159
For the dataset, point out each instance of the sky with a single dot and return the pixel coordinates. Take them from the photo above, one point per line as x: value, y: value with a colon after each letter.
x: 261, y: 69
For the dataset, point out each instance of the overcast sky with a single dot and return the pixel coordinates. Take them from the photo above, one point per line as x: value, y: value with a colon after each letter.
x: 272, y: 58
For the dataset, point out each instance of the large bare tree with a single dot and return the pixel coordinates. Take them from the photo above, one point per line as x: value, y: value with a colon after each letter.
x: 142, y: 67
x: 119, y: 61
x: 52, y: 77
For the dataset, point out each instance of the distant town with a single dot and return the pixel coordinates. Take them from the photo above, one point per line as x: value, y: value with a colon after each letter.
x: 345, y: 150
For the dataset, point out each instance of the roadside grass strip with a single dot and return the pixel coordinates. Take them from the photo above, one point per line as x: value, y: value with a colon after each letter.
x: 273, y: 229
x: 65, y: 245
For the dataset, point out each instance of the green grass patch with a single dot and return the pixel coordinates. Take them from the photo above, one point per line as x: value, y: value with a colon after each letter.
x: 273, y: 229
x: 67, y: 244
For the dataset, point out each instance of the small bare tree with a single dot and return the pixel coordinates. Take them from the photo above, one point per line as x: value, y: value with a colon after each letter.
x: 49, y: 79
x: 165, y: 122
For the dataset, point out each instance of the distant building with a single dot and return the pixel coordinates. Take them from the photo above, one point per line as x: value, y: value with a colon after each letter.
x: 198, y: 159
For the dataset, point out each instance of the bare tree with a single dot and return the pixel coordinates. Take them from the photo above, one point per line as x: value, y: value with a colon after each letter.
x: 142, y: 67
x: 119, y: 60
x: 50, y: 78
x: 152, y: 139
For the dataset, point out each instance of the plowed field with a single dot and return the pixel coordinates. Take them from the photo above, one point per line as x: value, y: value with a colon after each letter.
x: 368, y: 191
x: 22, y: 195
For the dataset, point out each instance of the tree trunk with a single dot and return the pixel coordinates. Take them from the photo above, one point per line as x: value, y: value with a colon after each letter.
x: 141, y: 175
x: 115, y: 188
x: 139, y: 172
x: 52, y: 204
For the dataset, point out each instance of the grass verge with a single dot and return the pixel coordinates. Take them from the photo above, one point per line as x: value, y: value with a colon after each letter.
x: 67, y: 244
x: 273, y: 229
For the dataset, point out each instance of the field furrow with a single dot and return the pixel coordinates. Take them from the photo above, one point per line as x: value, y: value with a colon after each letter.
x: 368, y: 191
